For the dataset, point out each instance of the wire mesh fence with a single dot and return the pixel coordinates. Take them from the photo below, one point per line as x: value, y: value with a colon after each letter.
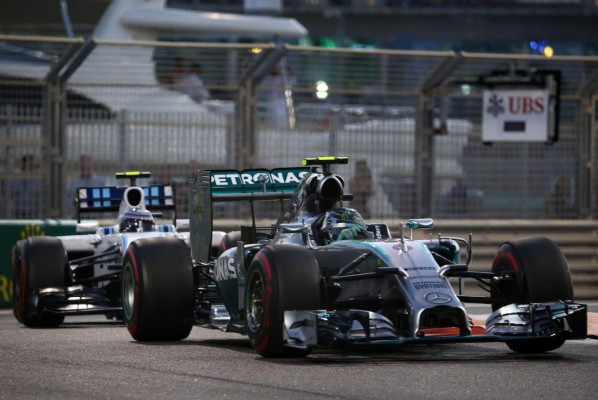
x: 72, y: 113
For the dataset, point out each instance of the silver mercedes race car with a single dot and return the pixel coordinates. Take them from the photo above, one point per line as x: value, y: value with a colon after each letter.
x: 320, y: 276
x: 81, y: 274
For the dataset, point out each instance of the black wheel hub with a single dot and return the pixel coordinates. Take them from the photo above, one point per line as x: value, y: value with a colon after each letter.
x: 255, y: 304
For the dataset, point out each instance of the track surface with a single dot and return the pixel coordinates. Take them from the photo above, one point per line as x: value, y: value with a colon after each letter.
x: 91, y: 358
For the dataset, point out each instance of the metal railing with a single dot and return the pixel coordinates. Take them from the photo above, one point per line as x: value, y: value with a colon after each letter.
x: 413, y: 117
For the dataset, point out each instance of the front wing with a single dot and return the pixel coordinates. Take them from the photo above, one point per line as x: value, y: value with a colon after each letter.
x: 357, y: 328
x: 72, y: 300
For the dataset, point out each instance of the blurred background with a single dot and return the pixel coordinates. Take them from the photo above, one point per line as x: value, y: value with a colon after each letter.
x: 397, y: 85
x: 404, y: 88
x: 500, y: 26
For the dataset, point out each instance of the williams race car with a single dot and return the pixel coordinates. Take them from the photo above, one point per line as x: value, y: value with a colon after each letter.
x: 81, y: 274
x: 320, y: 276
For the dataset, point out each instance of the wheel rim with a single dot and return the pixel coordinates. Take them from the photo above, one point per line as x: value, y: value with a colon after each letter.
x: 128, y: 291
x: 256, y: 301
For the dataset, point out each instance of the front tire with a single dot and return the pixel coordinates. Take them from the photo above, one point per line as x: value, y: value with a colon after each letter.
x: 158, y: 290
x: 280, y: 278
x: 37, y: 262
x: 540, y: 274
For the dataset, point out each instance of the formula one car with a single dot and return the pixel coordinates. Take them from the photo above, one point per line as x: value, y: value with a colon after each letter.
x: 81, y: 274
x: 321, y: 277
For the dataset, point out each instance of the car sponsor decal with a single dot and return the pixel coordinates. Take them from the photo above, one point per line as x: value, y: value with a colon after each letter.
x: 420, y: 268
x: 437, y: 298
x: 377, y: 233
x: 5, y: 288
x: 260, y: 179
x: 32, y: 230
x: 225, y: 269
x: 435, y: 284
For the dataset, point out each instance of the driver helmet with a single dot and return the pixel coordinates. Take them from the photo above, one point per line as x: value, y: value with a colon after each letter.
x: 337, y: 220
x: 136, y: 220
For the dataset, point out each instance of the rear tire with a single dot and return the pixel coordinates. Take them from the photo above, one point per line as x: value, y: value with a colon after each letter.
x: 17, y: 254
x: 280, y: 278
x: 158, y: 290
x: 37, y: 262
x: 231, y: 238
x: 540, y: 274
x: 229, y: 241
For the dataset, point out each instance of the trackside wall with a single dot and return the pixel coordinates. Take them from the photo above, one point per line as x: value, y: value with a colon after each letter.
x: 13, y: 230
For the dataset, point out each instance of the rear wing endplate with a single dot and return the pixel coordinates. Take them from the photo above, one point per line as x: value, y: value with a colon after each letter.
x: 232, y: 185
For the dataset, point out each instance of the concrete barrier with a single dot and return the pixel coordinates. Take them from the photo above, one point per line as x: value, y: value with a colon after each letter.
x: 13, y: 230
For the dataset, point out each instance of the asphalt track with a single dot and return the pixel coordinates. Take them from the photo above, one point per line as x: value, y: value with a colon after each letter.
x: 91, y: 358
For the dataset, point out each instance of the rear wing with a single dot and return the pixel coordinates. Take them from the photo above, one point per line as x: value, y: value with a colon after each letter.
x: 105, y: 199
x: 232, y: 185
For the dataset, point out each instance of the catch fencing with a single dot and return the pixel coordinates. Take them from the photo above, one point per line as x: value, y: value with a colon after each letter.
x: 409, y: 121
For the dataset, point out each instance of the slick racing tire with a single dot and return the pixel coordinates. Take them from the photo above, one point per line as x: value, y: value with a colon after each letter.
x: 16, y: 260
x: 37, y: 262
x: 157, y: 289
x: 229, y: 241
x: 540, y: 274
x: 280, y: 278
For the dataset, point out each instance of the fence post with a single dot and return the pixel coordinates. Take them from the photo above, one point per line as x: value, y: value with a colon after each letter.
x: 55, y: 143
x: 55, y: 121
x: 122, y: 123
x: 246, y: 106
x: 424, y: 133
x: 242, y: 143
x: 587, y: 146
x: 424, y: 156
x: 7, y: 117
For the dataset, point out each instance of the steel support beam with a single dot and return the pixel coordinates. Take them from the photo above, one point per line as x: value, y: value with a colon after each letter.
x: 587, y: 146
x: 54, y: 131
x: 424, y: 134
x: 243, y: 152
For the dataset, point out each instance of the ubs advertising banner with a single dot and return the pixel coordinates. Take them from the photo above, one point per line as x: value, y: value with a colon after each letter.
x: 516, y: 116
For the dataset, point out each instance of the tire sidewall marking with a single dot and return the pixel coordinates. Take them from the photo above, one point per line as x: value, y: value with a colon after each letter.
x: 262, y: 339
x: 133, y: 265
x: 268, y: 289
